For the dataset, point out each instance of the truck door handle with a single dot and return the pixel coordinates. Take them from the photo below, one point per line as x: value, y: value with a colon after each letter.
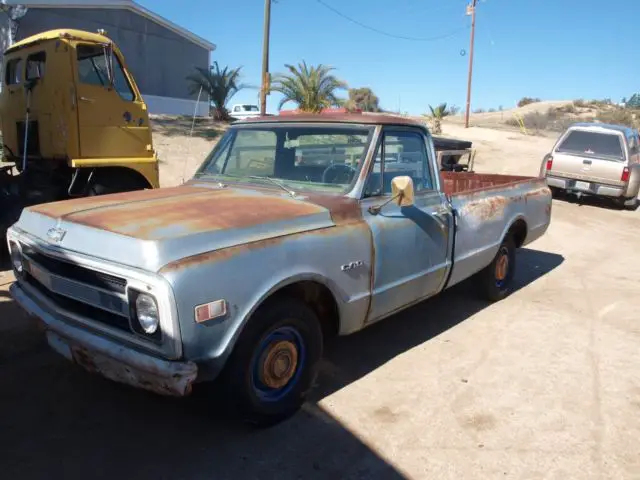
x: 85, y: 99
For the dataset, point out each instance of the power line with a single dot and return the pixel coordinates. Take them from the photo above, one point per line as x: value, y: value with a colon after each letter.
x: 382, y: 32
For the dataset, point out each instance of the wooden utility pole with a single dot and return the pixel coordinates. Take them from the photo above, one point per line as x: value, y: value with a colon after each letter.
x: 471, y: 10
x: 265, y: 58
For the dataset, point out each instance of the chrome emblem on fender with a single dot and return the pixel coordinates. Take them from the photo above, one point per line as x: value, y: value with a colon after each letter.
x: 352, y: 265
x: 56, y: 235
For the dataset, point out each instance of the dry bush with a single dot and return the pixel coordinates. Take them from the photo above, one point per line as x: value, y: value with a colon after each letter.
x: 527, y: 101
x: 619, y: 116
x: 568, y: 108
x: 553, y: 120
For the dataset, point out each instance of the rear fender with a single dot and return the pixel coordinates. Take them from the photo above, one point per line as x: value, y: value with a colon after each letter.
x: 633, y: 185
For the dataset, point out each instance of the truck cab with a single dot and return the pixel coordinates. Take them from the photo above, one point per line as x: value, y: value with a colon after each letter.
x: 74, y: 123
x: 84, y: 111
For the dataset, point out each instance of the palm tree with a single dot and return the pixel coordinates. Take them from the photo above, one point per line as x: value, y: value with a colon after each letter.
x: 312, y: 88
x: 221, y: 85
x: 437, y: 114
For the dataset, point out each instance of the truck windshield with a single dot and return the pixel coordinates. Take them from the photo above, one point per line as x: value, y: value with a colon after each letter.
x: 593, y: 144
x: 314, y: 157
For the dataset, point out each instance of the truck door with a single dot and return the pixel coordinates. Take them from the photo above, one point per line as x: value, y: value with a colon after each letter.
x: 411, y: 244
x: 112, y: 118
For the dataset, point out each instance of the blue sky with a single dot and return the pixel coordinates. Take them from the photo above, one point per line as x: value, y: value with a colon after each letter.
x: 552, y: 49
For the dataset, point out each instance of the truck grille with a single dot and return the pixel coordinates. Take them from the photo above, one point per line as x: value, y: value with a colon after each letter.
x: 89, y: 294
x: 77, y: 273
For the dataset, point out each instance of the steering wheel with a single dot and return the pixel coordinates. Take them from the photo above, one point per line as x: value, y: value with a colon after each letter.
x: 346, y: 169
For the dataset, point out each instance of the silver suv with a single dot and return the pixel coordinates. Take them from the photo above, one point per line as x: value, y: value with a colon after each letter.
x: 596, y: 159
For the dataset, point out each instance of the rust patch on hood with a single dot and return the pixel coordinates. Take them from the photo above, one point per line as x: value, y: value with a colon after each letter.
x: 212, y: 210
x: 65, y: 207
x: 174, y: 212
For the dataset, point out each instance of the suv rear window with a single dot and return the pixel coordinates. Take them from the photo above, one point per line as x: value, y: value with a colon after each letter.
x: 593, y: 144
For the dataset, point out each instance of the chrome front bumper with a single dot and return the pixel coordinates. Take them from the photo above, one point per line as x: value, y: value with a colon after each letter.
x: 112, y: 360
x: 596, y: 188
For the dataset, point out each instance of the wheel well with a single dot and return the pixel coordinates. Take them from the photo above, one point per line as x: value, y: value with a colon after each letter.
x: 519, y: 232
x: 319, y: 298
x: 121, y: 175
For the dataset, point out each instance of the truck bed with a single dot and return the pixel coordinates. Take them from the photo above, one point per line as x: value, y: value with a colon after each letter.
x: 486, y: 205
x: 466, y: 182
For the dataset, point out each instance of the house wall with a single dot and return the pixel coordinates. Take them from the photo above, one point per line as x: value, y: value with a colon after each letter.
x: 159, y: 58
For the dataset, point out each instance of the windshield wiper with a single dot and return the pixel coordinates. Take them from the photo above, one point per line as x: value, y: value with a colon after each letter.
x: 275, y: 182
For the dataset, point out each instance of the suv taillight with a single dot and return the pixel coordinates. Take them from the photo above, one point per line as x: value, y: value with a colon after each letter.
x: 625, y: 174
x: 549, y: 163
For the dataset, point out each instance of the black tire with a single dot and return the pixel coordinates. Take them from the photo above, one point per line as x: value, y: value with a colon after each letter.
x: 293, y: 326
x: 495, y: 283
x: 629, y: 203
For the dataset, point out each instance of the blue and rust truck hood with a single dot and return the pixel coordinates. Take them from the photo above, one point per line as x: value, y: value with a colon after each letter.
x: 148, y: 229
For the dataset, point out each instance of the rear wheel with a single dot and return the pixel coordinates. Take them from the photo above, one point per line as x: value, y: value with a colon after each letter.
x: 495, y: 281
x: 628, y: 203
x: 274, y: 363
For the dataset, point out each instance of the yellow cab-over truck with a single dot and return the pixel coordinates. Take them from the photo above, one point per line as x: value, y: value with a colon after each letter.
x: 73, y: 123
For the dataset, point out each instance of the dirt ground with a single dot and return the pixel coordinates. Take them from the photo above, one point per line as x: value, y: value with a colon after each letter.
x: 543, y: 385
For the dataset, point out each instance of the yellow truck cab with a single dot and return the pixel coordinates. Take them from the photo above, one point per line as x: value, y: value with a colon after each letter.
x: 88, y: 123
x: 73, y: 123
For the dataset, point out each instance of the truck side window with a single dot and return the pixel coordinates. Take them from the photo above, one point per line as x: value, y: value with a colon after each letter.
x: 404, y: 154
x: 92, y: 70
x: 13, y: 72
x: 35, y: 65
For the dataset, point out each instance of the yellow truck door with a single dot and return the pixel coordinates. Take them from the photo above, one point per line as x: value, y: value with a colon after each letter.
x: 112, y: 118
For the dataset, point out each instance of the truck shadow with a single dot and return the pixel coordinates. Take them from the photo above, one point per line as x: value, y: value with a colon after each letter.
x: 605, y: 203
x: 77, y: 423
x: 381, y: 342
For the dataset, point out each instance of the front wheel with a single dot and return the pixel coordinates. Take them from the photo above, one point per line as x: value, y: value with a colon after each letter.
x: 495, y: 281
x: 274, y: 363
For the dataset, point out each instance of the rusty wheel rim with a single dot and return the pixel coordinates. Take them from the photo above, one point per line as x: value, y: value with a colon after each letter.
x: 502, y: 267
x: 278, y: 363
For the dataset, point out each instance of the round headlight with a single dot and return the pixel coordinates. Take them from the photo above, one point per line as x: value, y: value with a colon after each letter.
x: 147, y: 311
x: 16, y: 258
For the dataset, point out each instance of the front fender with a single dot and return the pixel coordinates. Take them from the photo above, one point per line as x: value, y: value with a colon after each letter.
x: 245, y: 276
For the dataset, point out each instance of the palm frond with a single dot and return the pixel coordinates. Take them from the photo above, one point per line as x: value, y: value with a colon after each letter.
x: 312, y: 88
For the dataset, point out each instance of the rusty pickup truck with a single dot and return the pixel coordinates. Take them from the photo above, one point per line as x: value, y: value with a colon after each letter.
x: 293, y: 229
